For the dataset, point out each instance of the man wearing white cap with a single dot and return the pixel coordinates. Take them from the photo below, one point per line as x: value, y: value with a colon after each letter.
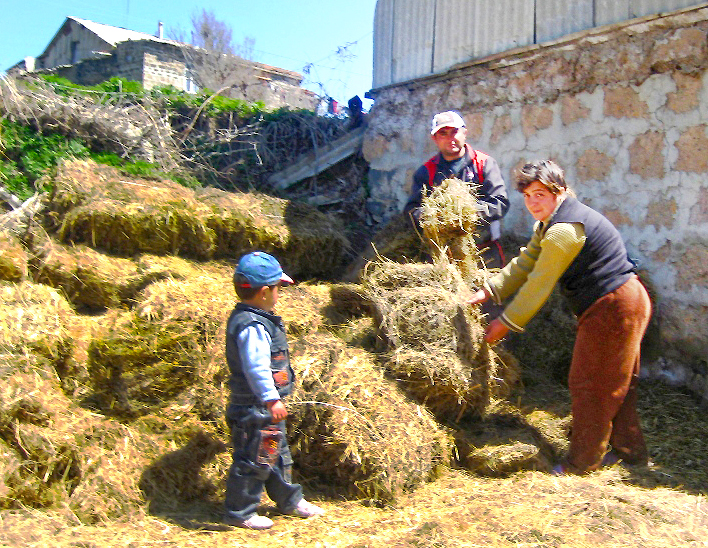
x: 458, y: 159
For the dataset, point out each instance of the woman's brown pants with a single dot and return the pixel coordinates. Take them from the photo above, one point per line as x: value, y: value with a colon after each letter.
x: 603, y: 378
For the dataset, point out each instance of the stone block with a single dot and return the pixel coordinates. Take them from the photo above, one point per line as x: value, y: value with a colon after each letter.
x: 624, y: 102
x: 535, y: 118
x: 685, y: 98
x: 646, y: 155
x: 692, y: 147
x: 593, y: 165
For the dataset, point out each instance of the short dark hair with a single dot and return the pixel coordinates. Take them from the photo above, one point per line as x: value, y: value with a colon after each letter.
x: 243, y: 289
x: 546, y: 172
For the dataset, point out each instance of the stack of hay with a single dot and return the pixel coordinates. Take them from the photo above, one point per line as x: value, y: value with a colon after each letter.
x: 354, y: 429
x: 55, y: 453
x: 104, y: 209
x: 435, y: 340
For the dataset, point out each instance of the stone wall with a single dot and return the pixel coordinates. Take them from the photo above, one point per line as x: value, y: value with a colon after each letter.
x: 624, y: 110
x: 159, y: 64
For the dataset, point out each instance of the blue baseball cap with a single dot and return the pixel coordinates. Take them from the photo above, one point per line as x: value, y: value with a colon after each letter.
x: 261, y: 269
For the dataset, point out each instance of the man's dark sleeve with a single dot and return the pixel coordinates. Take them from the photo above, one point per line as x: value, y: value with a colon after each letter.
x: 415, y: 199
x: 493, y: 200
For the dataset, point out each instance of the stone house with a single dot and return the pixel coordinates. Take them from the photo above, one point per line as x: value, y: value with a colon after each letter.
x: 622, y: 107
x: 88, y: 53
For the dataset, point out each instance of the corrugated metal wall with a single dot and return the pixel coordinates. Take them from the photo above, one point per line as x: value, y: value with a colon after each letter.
x: 467, y: 29
x: 414, y: 38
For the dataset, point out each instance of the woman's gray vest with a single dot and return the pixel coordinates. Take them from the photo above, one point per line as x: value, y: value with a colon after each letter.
x: 283, y: 375
x: 602, y: 264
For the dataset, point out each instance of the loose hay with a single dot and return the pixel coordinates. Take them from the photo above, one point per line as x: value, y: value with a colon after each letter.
x: 435, y: 340
x: 13, y: 257
x: 353, y: 430
x: 125, y: 216
x: 449, y: 219
x: 33, y: 319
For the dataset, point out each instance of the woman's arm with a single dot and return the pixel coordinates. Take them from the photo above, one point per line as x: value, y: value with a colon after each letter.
x: 559, y: 246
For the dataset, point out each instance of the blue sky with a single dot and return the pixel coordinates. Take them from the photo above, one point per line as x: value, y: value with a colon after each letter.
x: 288, y: 33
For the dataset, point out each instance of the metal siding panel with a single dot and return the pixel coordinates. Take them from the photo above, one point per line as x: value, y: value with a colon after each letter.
x: 454, y: 33
x: 556, y: 18
x: 500, y: 25
x: 611, y: 11
x: 412, y: 51
x: 639, y: 8
x: 383, y: 43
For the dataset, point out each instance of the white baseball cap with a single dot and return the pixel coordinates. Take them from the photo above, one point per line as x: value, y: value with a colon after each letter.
x: 446, y: 119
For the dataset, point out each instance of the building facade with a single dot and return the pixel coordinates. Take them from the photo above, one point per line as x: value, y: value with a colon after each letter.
x: 623, y: 108
x: 88, y: 53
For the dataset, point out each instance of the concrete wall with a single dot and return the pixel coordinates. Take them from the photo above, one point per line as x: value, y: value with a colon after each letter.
x: 624, y: 110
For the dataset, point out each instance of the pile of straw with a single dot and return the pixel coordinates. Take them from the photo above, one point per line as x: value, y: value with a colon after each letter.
x: 449, y: 219
x: 353, y: 429
x: 434, y: 340
x: 98, y: 206
x: 13, y: 257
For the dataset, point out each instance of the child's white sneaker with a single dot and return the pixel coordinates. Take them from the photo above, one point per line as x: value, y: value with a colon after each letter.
x: 305, y: 509
x: 254, y: 522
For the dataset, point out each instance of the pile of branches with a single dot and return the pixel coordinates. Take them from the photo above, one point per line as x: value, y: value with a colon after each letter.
x: 228, y: 149
x: 126, y: 128
x: 224, y: 149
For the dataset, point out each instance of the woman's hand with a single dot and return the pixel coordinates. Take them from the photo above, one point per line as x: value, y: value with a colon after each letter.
x: 480, y: 296
x: 495, y: 332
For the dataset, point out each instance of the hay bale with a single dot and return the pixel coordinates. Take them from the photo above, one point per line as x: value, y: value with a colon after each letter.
x: 135, y: 370
x: 308, y: 243
x: 13, y: 257
x: 435, y: 340
x: 347, y: 423
x: 91, y: 279
x: 102, y: 208
x: 177, y: 323
x: 33, y: 319
x: 205, y: 295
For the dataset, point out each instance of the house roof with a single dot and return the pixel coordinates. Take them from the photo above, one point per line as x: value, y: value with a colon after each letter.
x: 109, y: 34
x: 115, y: 35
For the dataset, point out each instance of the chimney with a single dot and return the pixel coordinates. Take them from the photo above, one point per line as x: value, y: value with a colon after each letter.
x: 159, y: 29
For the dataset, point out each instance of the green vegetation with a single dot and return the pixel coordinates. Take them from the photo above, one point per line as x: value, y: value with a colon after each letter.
x: 26, y: 155
x: 270, y: 140
x: 168, y: 97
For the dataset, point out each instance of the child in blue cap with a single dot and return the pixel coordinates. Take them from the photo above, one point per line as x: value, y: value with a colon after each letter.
x: 261, y: 377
